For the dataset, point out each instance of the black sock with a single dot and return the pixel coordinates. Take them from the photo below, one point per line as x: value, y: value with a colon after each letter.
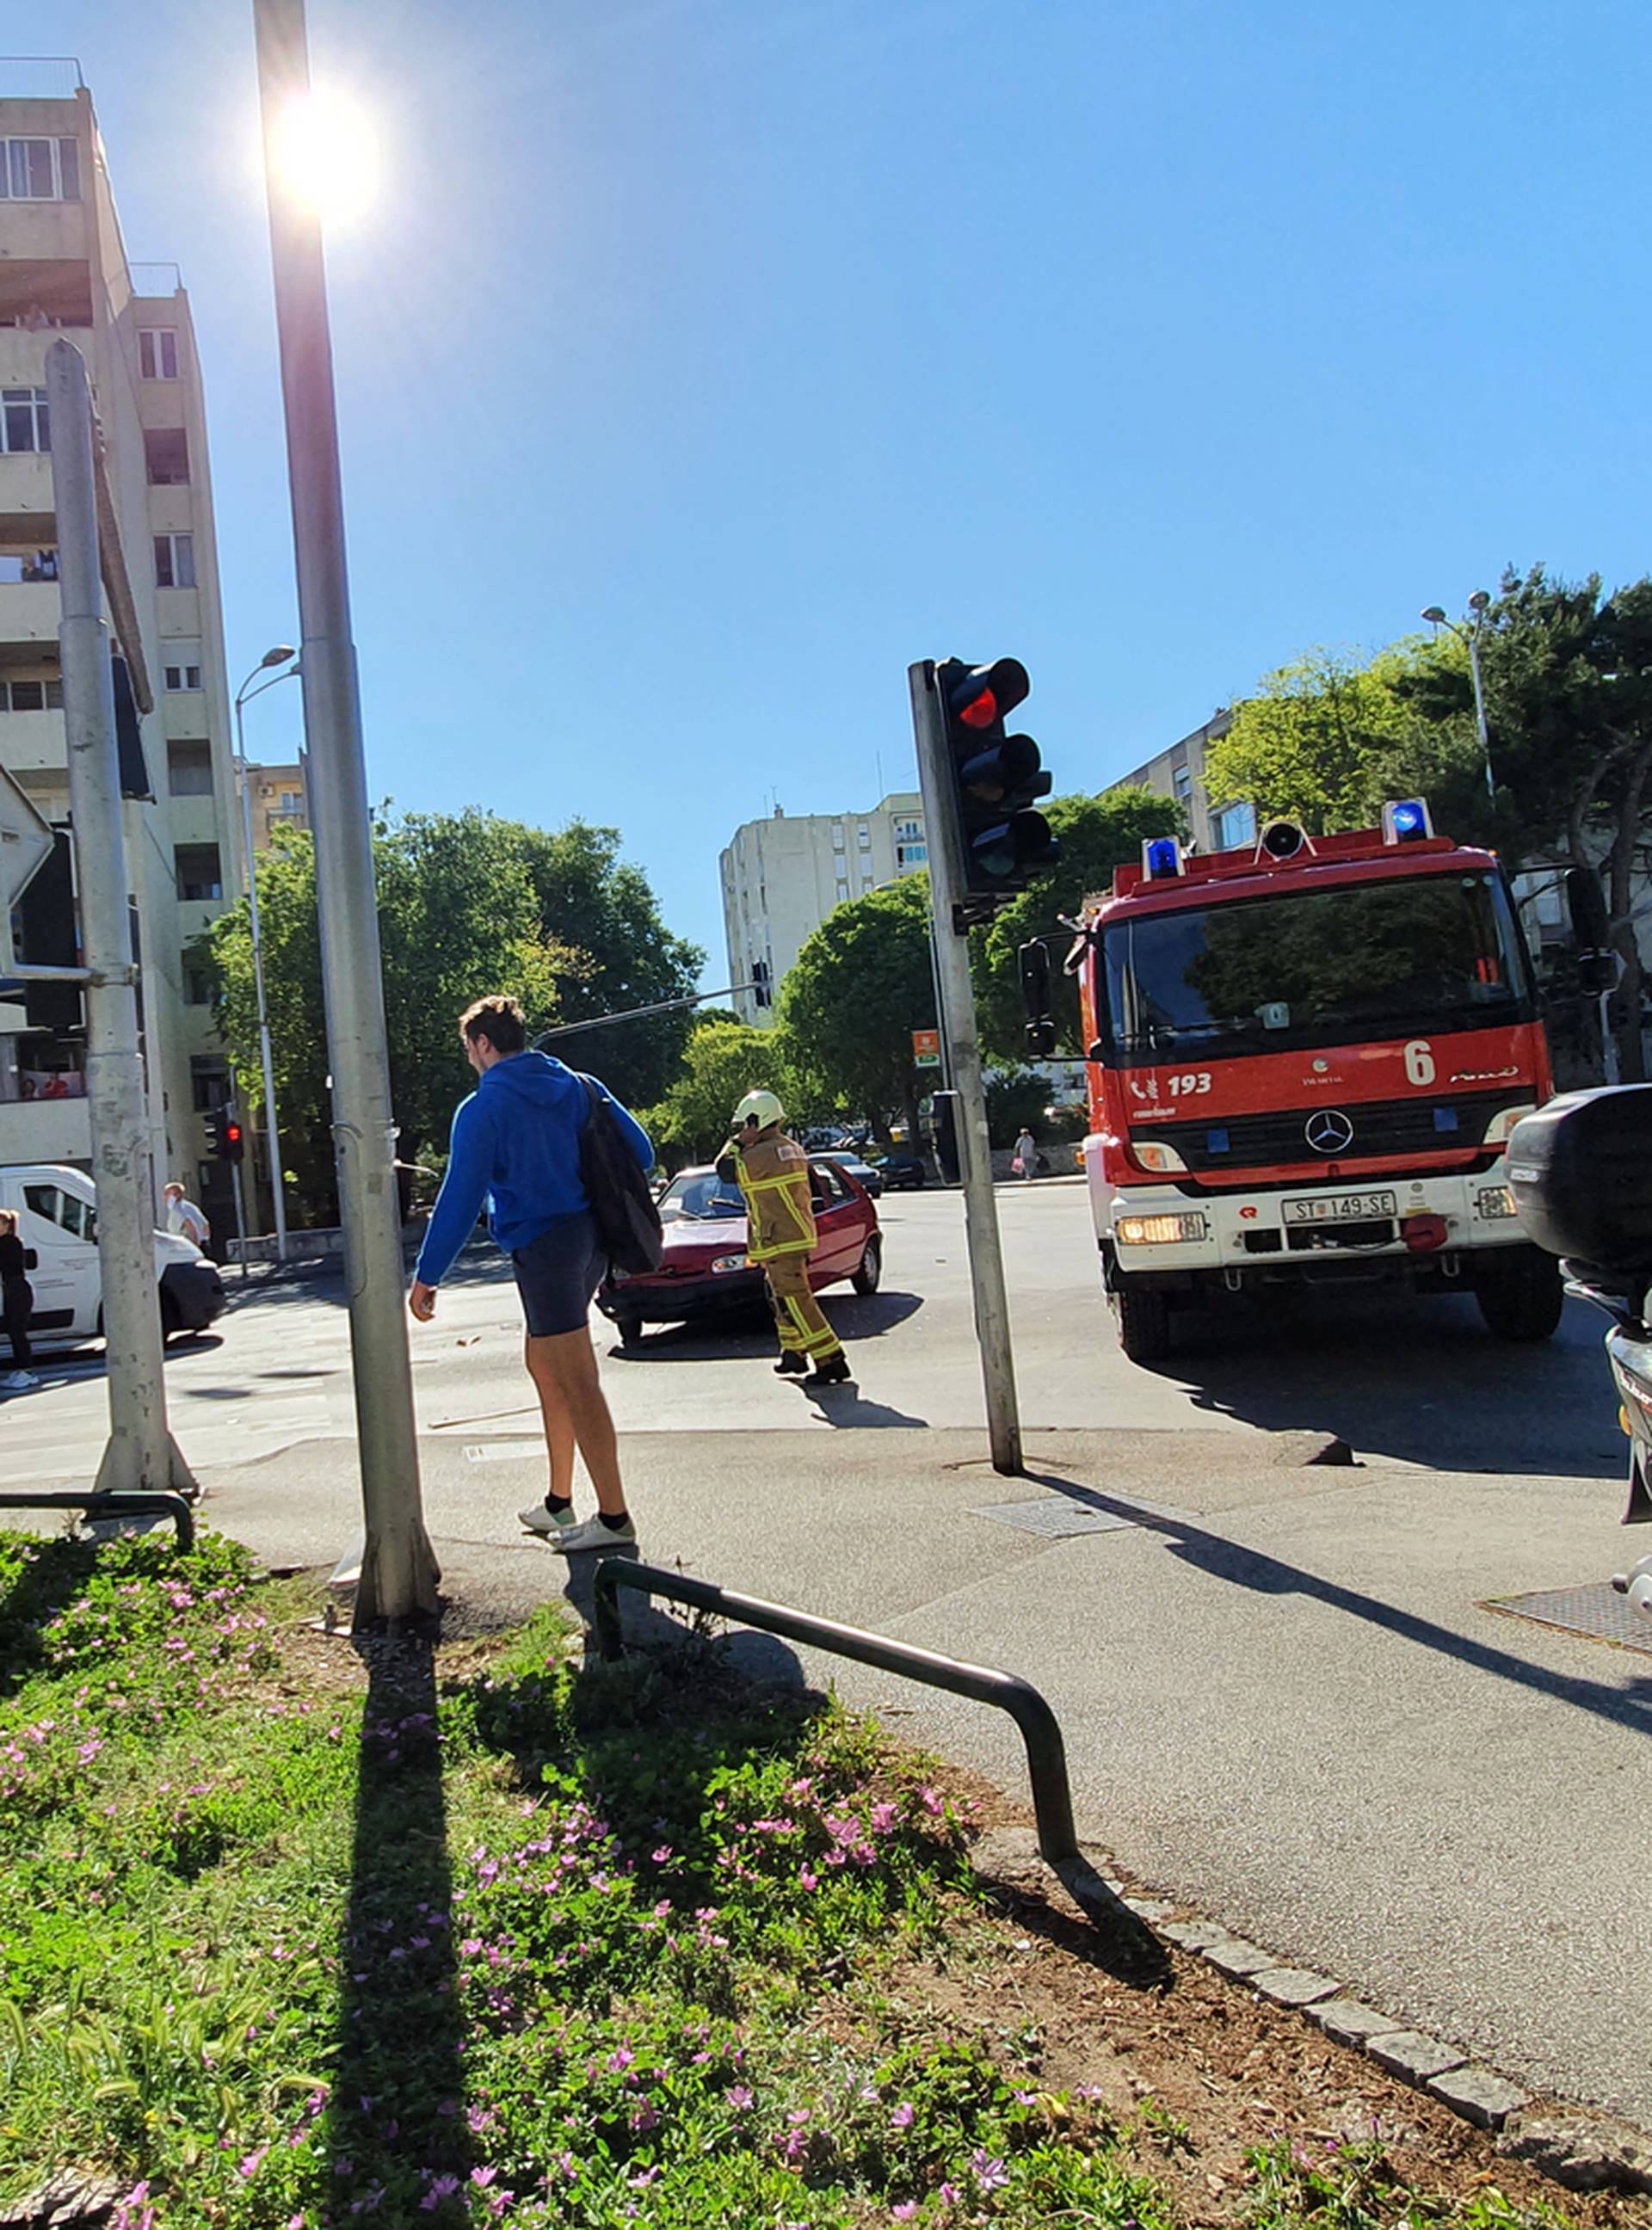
x: 615, y: 1520
x: 553, y: 1502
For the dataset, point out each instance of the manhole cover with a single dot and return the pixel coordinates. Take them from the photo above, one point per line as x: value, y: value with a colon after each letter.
x: 1055, y: 1519
x: 1598, y: 1612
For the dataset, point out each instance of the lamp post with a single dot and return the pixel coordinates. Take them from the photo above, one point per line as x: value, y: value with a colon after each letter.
x: 277, y: 656
x: 1479, y: 603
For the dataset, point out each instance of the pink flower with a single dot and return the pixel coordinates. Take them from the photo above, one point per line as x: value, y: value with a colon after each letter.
x: 806, y: 1879
x: 738, y: 2097
x: 902, y: 2117
x: 905, y: 2211
x: 989, y: 2175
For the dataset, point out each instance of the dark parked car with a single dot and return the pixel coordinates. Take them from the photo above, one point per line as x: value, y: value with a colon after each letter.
x: 869, y: 1179
x: 903, y: 1172
x: 703, y: 1270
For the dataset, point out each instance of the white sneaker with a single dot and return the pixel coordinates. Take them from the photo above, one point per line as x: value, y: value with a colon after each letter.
x: 20, y: 1382
x: 593, y: 1534
x: 539, y: 1517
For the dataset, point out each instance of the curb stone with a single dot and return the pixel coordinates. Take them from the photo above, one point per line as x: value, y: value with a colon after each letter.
x: 1579, y: 2151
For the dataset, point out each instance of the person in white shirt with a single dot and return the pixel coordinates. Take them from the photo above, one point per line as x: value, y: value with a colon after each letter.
x: 184, y: 1217
x: 1026, y: 1153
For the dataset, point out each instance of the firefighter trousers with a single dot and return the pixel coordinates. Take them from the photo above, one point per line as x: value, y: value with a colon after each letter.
x: 803, y: 1329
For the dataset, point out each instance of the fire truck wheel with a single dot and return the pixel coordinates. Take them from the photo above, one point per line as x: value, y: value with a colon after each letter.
x: 1521, y: 1299
x: 1144, y: 1322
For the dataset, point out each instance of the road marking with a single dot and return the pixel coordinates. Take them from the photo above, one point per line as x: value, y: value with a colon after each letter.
x: 503, y: 1451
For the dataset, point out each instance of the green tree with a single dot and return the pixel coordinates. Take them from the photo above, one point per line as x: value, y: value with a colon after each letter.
x: 722, y: 1061
x: 859, y: 988
x: 1096, y: 835
x: 1315, y: 740
x: 600, y: 909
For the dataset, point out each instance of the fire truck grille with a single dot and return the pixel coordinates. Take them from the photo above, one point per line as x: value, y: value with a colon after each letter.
x: 1357, y: 1131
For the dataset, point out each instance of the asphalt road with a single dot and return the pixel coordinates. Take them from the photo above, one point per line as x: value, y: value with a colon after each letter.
x: 1285, y: 1698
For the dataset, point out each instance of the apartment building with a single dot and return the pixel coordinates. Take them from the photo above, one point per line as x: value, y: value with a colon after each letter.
x: 781, y: 877
x: 64, y: 272
x: 1215, y: 824
x: 279, y: 800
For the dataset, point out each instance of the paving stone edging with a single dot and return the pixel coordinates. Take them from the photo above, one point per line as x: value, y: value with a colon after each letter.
x: 1581, y: 2150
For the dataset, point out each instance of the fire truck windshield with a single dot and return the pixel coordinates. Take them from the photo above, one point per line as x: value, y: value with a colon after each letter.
x: 1347, y: 961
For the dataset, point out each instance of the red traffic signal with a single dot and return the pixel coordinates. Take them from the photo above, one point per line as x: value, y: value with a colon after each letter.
x: 996, y: 779
x: 234, y: 1139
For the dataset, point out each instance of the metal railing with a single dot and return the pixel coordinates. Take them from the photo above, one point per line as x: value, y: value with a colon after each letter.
x: 155, y: 278
x: 40, y: 77
x: 98, y: 1507
x: 1040, y: 1729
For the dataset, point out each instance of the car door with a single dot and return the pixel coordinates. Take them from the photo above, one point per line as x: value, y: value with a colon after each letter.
x: 838, y: 1225
x: 62, y: 1231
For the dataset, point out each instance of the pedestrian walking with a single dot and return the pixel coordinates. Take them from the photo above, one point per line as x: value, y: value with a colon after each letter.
x: 184, y: 1217
x: 17, y: 1301
x: 772, y: 1171
x: 1026, y: 1156
x: 516, y: 1147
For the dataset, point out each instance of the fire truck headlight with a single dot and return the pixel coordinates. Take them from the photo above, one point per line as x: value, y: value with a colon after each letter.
x: 1159, y: 1230
x: 1164, y: 1161
x: 1494, y: 1200
x: 1504, y: 1120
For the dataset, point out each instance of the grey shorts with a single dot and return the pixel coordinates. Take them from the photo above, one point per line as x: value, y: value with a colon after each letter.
x: 556, y: 1274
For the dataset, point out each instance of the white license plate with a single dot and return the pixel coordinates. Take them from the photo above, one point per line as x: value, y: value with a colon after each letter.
x: 1340, y: 1207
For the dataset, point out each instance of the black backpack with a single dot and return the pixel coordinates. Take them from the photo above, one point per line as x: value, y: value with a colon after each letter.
x: 622, y: 1207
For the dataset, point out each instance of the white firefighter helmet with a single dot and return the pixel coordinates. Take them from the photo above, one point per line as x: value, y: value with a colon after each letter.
x: 762, y: 1108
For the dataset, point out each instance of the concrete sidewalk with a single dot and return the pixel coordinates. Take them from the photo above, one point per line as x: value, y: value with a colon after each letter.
x: 1284, y: 1698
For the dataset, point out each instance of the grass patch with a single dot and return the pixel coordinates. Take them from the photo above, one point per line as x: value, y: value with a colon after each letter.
x: 483, y: 1938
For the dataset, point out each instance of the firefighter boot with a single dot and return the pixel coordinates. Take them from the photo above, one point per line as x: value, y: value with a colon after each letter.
x: 830, y: 1371
x: 791, y: 1364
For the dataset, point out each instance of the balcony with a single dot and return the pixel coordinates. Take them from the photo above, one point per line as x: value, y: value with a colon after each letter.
x: 194, y: 820
x: 31, y: 742
x: 45, y: 1130
x: 26, y: 504
x: 29, y: 610
x: 195, y: 918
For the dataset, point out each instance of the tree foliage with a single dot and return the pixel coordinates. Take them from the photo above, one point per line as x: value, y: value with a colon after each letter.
x: 467, y: 904
x: 1096, y: 835
x: 722, y: 1061
x: 1317, y: 739
x: 861, y: 985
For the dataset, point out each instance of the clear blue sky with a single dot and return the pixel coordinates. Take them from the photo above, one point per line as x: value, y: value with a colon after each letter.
x: 707, y: 361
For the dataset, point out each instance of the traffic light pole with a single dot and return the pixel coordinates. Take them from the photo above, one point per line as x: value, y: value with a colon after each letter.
x: 398, y: 1569
x: 141, y: 1456
x: 963, y: 1054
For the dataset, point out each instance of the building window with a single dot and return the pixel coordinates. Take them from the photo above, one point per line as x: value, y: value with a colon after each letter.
x: 866, y: 882
x: 843, y: 890
x: 25, y: 421
x: 31, y: 696
x: 174, y: 561
x: 1235, y: 825
x: 198, y: 986
x: 182, y: 666
x: 909, y: 832
x: 911, y: 855
x: 208, y: 1083
x: 157, y: 352
x: 166, y: 452
x: 200, y: 875
x: 34, y: 565
x: 40, y: 171
x: 1182, y: 781
x: 188, y: 769
x: 837, y: 840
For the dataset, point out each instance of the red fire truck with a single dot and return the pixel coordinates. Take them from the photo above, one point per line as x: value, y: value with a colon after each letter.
x: 1305, y: 1057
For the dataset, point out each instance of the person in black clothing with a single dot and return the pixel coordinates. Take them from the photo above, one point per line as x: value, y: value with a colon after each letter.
x: 18, y: 1299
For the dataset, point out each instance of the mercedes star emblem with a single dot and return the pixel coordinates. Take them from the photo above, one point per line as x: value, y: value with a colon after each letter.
x: 1328, y: 1131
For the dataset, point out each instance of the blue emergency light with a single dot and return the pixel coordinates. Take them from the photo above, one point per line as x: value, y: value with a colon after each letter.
x: 1406, y: 820
x: 1161, y: 857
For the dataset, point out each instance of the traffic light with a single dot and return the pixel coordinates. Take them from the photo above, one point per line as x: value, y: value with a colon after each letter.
x: 233, y: 1136
x: 761, y: 993
x: 995, y: 778
x: 211, y: 1124
x: 1035, y: 991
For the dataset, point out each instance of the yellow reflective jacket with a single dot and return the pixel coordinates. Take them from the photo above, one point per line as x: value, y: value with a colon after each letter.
x: 773, y: 1174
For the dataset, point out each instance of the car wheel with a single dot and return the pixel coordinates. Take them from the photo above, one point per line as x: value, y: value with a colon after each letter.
x: 868, y: 1275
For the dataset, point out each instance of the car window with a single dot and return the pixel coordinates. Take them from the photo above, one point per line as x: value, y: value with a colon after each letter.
x: 60, y: 1208
x: 830, y: 1188
x: 703, y: 1197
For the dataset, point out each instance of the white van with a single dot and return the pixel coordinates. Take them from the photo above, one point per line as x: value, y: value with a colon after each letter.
x: 57, y: 1221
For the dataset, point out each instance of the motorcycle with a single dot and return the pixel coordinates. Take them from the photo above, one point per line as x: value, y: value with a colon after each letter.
x: 1580, y: 1170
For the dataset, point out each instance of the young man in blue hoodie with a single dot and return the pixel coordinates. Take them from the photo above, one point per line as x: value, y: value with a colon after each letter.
x: 516, y: 1146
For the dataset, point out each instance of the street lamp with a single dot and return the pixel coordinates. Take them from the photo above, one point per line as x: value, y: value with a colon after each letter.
x: 1479, y: 605
x: 282, y: 652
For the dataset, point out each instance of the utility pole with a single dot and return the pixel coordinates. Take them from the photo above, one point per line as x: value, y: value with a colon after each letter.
x: 962, y: 1051
x: 141, y: 1455
x: 278, y: 656
x: 398, y: 1569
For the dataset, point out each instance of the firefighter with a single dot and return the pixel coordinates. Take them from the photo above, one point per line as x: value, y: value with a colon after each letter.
x: 773, y: 1174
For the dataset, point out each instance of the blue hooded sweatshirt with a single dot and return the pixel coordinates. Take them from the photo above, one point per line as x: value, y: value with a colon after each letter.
x: 516, y: 1146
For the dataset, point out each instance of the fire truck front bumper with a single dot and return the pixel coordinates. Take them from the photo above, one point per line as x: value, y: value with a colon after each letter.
x: 1397, y: 1225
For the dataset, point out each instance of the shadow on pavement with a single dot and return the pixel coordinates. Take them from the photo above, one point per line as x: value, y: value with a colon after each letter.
x: 1421, y: 1381
x: 847, y: 1409
x: 748, y: 1329
x: 1625, y: 1703
x: 398, y: 2075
